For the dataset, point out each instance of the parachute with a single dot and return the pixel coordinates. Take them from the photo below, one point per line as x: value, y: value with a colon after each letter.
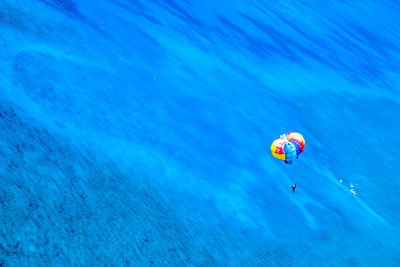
x: 288, y: 147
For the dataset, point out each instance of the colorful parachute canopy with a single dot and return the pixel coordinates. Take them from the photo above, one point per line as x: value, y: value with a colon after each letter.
x: 288, y: 147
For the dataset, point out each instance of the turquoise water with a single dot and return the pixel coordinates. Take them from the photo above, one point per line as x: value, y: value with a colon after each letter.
x: 139, y: 133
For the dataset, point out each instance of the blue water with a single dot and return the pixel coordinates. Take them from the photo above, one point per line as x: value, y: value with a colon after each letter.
x: 139, y: 133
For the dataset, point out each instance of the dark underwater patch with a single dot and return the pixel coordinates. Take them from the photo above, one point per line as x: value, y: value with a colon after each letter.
x: 68, y: 7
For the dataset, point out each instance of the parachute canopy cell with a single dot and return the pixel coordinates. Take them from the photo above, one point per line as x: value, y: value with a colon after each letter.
x: 288, y: 147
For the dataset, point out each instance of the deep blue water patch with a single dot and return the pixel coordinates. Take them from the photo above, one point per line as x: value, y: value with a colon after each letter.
x: 139, y: 133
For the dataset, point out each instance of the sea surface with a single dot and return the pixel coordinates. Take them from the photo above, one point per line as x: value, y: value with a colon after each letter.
x: 137, y: 133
